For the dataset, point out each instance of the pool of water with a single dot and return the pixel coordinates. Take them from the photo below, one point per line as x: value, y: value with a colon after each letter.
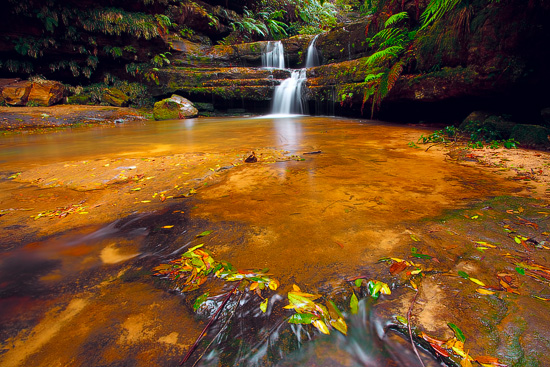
x: 349, y: 193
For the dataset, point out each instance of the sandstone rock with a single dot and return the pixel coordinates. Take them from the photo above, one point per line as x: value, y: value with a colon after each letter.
x: 531, y: 135
x: 16, y: 94
x: 46, y: 93
x: 173, y: 108
x: 4, y: 83
x: 115, y: 97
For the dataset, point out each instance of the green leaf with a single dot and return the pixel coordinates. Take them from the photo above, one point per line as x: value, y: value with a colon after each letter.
x: 302, y: 318
x: 354, y: 304
x: 458, y: 333
x: 358, y: 282
x: 415, y: 238
x: 263, y: 305
x: 520, y: 270
x: 401, y: 319
x: 422, y: 256
x: 205, y: 233
x: 199, y: 301
x: 463, y: 275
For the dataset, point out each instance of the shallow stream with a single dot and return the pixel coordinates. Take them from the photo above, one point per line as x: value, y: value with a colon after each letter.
x: 326, y: 199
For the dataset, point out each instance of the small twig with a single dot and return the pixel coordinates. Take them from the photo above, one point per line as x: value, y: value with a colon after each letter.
x: 219, y: 332
x: 212, y: 319
x: 410, y: 330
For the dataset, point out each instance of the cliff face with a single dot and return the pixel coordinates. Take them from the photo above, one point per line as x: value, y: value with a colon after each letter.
x: 488, y: 54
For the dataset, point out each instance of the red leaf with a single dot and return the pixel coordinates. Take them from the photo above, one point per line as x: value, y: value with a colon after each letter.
x: 439, y: 350
x: 397, y: 267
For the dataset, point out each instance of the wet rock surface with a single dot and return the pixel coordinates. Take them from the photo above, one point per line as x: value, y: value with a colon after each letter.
x: 97, y: 224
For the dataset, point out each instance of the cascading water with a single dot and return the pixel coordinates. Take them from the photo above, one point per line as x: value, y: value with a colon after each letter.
x: 274, y: 55
x: 288, y: 95
x: 312, y: 57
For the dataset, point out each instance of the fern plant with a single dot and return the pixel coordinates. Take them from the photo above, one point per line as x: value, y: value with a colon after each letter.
x: 393, y: 51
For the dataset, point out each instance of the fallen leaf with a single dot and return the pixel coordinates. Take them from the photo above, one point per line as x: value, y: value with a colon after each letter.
x: 354, y: 304
x: 167, y: 227
x: 458, y: 333
x: 205, y: 233
x: 263, y: 305
x: 484, y: 291
x: 397, y: 267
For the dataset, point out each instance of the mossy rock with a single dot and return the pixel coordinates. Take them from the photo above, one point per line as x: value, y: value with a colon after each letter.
x: 531, y: 135
x: 79, y: 99
x: 174, y: 108
x: 115, y: 97
x: 486, y: 126
x: 475, y: 118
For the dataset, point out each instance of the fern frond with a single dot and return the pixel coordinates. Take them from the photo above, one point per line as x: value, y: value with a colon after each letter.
x: 393, y: 75
x: 396, y: 18
x: 435, y: 10
x: 384, y: 55
x: 373, y: 77
x: 386, y: 34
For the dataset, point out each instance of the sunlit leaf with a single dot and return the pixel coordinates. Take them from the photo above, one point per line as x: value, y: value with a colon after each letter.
x: 273, y: 284
x: 205, y: 233
x: 263, y: 305
x: 465, y: 362
x: 340, y: 325
x: 458, y: 333
x: 477, y: 281
x: 484, y: 291
x: 295, y: 287
x: 358, y: 282
x: 354, y: 304
x: 200, y: 300
x: 320, y: 324
x: 302, y: 318
x: 167, y: 227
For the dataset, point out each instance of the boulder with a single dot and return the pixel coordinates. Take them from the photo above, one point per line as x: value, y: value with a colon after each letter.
x: 46, y: 93
x: 173, y: 108
x: 115, y: 97
x: 531, y: 135
x: 16, y: 94
x: 483, y: 125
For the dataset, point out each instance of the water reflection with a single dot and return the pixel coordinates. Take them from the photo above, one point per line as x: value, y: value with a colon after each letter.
x: 289, y: 132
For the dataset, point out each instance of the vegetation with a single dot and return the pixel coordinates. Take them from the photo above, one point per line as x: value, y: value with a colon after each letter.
x: 477, y: 138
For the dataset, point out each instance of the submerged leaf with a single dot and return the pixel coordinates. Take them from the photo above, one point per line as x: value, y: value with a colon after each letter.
x: 458, y: 333
x: 200, y: 300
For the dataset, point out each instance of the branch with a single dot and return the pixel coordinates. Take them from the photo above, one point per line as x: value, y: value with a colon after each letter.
x: 212, y: 319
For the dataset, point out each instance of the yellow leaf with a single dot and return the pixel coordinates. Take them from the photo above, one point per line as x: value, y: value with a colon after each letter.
x: 459, y: 351
x: 289, y: 307
x: 477, y: 281
x: 296, y: 288
x: 414, y: 285
x: 484, y: 291
x: 167, y: 227
x: 320, y: 324
x: 253, y: 286
x: 273, y: 284
x: 146, y: 201
x: 465, y: 362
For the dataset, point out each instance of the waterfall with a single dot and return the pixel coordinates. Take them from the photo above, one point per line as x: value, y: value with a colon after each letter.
x: 312, y: 57
x: 274, y: 55
x: 288, y: 95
